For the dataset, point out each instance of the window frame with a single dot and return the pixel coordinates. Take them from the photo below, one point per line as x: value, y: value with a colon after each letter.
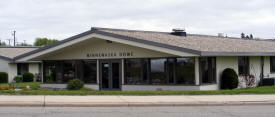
x: 246, y: 62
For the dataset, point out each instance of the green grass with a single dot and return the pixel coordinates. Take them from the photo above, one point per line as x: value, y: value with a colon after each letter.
x: 37, y: 91
x: 33, y: 85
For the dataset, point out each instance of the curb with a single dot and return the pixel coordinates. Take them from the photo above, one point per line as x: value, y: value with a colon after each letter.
x: 135, y: 104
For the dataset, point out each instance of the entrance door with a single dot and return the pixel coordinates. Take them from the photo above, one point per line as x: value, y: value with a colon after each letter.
x: 110, y: 74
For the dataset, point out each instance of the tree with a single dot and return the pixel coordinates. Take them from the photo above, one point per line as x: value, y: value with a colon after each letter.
x: 44, y: 41
x: 250, y: 36
x: 23, y: 44
x: 247, y: 37
x: 3, y: 44
x: 242, y: 35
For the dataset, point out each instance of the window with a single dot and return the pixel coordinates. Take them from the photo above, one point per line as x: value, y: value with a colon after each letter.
x: 158, y: 71
x: 49, y: 72
x: 90, y: 71
x: 208, y: 70
x: 243, y: 65
x: 171, y: 70
x: 272, y: 64
x: 64, y: 71
x: 22, y: 68
x: 185, y: 71
x: 68, y: 71
x: 136, y: 71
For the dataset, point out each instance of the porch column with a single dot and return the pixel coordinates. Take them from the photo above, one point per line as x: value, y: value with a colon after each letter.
x: 97, y: 71
x: 197, y: 71
x: 122, y: 71
x: 42, y: 72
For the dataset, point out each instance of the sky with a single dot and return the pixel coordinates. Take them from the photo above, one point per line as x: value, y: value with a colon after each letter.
x: 60, y: 19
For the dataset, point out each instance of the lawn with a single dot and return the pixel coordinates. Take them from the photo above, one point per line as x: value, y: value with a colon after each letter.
x: 41, y: 91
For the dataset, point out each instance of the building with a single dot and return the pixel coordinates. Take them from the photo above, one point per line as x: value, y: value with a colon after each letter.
x: 14, y: 68
x: 116, y: 59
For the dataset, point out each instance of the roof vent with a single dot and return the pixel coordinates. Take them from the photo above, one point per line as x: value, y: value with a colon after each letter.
x: 179, y: 32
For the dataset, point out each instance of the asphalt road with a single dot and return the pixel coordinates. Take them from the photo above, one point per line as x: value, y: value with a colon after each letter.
x: 183, y: 111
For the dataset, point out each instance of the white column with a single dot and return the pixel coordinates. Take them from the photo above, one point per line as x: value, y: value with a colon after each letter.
x: 197, y: 71
x: 122, y: 71
x: 97, y: 71
x: 42, y: 72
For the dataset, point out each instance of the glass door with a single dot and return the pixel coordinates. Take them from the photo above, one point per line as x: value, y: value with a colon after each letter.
x: 110, y: 75
x: 105, y: 75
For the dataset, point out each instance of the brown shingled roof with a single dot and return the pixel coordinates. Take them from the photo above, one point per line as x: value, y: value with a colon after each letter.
x: 11, y: 52
x: 199, y: 42
x: 202, y: 45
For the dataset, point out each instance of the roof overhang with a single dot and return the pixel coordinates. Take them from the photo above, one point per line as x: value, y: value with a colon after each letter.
x: 205, y: 53
x: 6, y: 58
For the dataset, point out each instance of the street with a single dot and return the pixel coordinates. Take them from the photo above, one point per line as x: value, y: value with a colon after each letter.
x: 176, y: 111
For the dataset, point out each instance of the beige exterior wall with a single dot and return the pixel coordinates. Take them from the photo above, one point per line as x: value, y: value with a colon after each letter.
x: 267, y: 67
x: 267, y: 73
x: 34, y: 68
x: 81, y: 50
x: 12, y: 71
x: 255, y: 66
x: 4, y: 65
x: 225, y: 62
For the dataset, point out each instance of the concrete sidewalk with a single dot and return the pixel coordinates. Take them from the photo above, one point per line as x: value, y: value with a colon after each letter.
x: 178, y: 100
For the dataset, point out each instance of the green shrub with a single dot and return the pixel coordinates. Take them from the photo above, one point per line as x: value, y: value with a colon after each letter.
x: 18, y: 79
x: 28, y: 77
x: 49, y: 79
x: 229, y: 79
x: 3, y: 77
x: 75, y: 84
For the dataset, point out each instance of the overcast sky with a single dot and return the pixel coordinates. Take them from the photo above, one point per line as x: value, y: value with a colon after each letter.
x: 60, y: 19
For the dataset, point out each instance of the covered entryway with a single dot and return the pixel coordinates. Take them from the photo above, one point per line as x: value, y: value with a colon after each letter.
x: 110, y: 74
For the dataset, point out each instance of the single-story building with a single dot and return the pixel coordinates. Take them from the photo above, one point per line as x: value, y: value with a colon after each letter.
x: 117, y: 59
x: 15, y: 68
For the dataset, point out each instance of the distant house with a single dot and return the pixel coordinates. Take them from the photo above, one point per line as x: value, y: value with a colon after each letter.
x: 117, y: 59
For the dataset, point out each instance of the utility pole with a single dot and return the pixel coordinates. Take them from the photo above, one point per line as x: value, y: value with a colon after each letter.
x: 13, y: 34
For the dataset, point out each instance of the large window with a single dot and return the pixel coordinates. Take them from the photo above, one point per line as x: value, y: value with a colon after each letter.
x: 90, y: 72
x: 69, y: 71
x: 208, y: 70
x: 64, y: 71
x: 243, y: 65
x: 136, y: 71
x: 185, y: 71
x: 160, y: 71
x: 22, y: 68
x: 272, y: 64
x: 49, y: 72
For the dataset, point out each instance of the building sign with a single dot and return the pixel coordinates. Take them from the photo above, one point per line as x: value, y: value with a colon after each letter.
x: 109, y: 54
